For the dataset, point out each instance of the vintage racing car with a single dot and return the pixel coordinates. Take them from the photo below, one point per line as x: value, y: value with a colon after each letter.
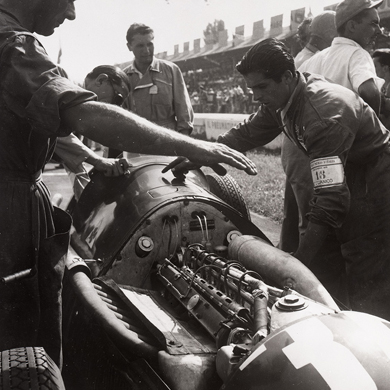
x: 171, y: 286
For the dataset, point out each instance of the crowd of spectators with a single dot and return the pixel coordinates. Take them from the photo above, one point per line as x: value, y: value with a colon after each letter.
x: 219, y: 90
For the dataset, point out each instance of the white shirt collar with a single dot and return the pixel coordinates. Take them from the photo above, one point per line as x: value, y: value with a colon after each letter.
x: 344, y: 41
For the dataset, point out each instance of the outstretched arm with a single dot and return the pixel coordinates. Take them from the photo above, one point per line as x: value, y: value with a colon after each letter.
x: 117, y: 128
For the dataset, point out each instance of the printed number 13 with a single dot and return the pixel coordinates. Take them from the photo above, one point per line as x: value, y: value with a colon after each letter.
x: 320, y: 175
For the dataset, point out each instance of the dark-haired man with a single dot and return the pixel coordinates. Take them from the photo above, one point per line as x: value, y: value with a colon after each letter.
x: 348, y: 63
x: 37, y: 105
x: 350, y: 166
x: 110, y: 85
x: 297, y: 193
x: 158, y: 91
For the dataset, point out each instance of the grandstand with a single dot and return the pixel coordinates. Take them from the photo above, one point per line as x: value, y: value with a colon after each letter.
x: 209, y: 69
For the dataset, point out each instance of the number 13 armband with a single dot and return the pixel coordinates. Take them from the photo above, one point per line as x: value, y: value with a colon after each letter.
x: 327, y: 172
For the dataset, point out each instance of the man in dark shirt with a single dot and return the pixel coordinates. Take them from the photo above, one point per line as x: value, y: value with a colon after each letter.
x: 37, y: 105
x: 350, y: 166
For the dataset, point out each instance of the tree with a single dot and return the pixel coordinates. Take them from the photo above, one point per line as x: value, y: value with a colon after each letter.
x: 212, y: 30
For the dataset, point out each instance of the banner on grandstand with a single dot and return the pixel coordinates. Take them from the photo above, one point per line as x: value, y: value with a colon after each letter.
x: 176, y: 50
x: 197, y: 45
x: 222, y: 38
x: 297, y: 16
x: 258, y: 29
x: 186, y: 47
x: 276, y: 25
x: 330, y: 7
x: 238, y: 36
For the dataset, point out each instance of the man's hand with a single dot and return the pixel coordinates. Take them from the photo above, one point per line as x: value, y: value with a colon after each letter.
x: 181, y: 165
x: 212, y: 154
x: 112, y: 166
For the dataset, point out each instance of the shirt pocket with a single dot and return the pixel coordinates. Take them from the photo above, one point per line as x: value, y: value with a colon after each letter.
x: 163, y: 101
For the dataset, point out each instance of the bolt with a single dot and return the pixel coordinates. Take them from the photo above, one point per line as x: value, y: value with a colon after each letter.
x: 291, y: 299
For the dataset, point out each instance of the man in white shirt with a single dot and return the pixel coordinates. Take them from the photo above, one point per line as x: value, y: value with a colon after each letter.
x: 347, y: 61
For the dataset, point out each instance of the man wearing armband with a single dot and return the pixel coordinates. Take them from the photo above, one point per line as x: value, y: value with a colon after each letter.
x: 350, y: 166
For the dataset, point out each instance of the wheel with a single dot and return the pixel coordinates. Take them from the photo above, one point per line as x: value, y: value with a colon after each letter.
x: 227, y: 189
x: 29, y: 368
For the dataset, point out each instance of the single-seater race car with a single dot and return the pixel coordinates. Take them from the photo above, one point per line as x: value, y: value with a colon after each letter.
x: 171, y: 286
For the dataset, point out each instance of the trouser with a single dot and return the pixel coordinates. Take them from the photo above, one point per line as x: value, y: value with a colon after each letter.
x: 297, y: 195
x: 30, y: 310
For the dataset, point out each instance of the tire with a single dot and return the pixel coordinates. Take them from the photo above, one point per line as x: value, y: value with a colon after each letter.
x: 29, y: 368
x: 227, y: 189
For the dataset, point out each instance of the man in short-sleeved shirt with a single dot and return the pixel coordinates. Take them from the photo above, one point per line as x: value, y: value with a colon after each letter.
x: 347, y: 61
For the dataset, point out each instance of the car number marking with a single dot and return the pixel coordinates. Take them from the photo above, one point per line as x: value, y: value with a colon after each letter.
x: 314, y: 344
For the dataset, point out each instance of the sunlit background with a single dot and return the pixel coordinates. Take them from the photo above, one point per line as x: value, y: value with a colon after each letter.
x: 98, y: 35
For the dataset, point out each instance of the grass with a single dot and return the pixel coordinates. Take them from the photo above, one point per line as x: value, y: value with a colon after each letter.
x: 263, y: 193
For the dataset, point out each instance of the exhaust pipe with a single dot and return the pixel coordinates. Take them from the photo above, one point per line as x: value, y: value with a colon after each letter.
x: 280, y: 267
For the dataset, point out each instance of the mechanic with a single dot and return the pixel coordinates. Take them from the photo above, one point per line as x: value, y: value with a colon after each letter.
x: 350, y: 165
x: 37, y: 105
x: 158, y: 91
x: 348, y: 63
x: 299, y: 185
x: 110, y: 85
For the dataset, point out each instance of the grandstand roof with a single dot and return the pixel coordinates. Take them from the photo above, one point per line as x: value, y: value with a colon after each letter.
x: 211, y: 55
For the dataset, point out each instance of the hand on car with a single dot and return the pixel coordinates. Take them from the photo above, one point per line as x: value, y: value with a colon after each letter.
x: 113, y: 166
x: 181, y: 165
x: 212, y: 154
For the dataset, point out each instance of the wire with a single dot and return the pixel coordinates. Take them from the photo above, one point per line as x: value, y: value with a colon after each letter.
x: 176, y: 241
x: 206, y: 228
x: 201, y: 226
